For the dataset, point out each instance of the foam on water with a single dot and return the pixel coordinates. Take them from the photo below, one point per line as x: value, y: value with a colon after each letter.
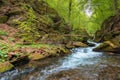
x: 80, y: 56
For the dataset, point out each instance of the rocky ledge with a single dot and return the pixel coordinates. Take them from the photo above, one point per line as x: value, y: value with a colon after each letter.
x: 109, y: 35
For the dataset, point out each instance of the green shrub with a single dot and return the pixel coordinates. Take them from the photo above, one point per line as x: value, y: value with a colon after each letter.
x: 4, y: 49
x: 3, y: 56
x: 3, y: 33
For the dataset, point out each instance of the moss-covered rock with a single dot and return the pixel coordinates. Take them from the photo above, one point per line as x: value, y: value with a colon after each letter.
x: 107, y: 46
x: 79, y: 44
x: 3, y: 19
x: 53, y: 51
x: 5, y: 66
x: 37, y: 56
x: 72, y: 44
x: 69, y: 45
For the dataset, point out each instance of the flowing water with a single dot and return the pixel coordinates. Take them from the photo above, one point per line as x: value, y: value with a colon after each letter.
x: 82, y: 64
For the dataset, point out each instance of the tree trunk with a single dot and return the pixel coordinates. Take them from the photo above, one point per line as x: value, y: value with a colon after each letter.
x: 69, y: 15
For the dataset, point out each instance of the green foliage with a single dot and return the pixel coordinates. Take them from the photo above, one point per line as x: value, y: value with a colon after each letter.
x: 27, y: 27
x: 101, y: 9
x: 6, y: 48
x: 34, y: 45
x: 3, y: 52
x: 3, y: 56
x: 3, y: 33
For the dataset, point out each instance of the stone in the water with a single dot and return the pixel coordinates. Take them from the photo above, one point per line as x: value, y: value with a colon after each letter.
x: 76, y: 44
x: 5, y: 66
x: 108, y: 46
x: 79, y: 44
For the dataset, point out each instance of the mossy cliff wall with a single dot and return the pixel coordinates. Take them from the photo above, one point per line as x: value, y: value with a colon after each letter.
x: 33, y: 18
x: 110, y: 34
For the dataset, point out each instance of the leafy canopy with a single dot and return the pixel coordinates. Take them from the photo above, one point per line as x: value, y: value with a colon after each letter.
x: 85, y: 14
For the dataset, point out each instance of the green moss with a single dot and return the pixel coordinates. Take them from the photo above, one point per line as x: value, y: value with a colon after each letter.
x: 106, y: 46
x: 3, y: 19
x: 3, y: 56
x: 37, y: 56
x: 35, y: 46
x: 27, y: 29
x: 5, y: 66
x: 3, y: 33
x: 6, y: 48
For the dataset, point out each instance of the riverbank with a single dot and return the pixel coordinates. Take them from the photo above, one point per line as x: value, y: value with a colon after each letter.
x: 15, y: 52
x: 83, y: 63
x: 24, y: 54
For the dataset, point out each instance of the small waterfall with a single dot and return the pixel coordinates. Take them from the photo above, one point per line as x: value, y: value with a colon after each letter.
x: 81, y: 57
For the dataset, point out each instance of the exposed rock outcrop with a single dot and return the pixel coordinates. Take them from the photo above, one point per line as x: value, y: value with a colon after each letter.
x: 25, y: 27
x: 36, y: 15
x: 110, y: 32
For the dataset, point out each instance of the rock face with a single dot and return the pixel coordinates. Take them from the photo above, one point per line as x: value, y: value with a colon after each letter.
x: 110, y: 29
x: 27, y: 22
x: 35, y: 15
x: 110, y: 32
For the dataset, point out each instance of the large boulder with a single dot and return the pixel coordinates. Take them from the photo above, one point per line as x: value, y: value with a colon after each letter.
x: 72, y: 44
x: 107, y: 46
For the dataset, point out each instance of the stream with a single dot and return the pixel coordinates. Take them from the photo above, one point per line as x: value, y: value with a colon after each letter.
x: 82, y: 64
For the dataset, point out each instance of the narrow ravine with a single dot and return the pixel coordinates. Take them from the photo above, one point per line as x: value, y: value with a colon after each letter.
x: 82, y: 64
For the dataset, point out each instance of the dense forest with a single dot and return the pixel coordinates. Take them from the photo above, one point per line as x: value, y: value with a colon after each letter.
x: 59, y: 39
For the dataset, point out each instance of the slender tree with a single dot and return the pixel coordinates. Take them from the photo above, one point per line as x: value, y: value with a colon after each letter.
x: 69, y: 15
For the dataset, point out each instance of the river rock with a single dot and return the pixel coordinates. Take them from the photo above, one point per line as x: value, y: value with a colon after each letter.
x: 37, y: 56
x: 69, y: 45
x: 75, y: 44
x: 107, y: 46
x: 5, y: 66
x: 79, y: 44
